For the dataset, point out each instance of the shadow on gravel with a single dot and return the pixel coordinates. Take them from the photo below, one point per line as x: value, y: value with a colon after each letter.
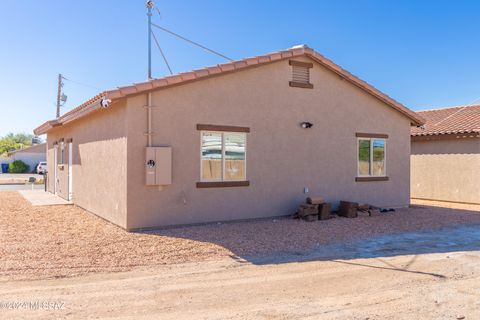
x: 450, y: 239
x: 269, y: 242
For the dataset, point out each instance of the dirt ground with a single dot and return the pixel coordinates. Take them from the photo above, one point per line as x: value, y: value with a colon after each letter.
x: 62, y: 262
x: 430, y: 286
x: 66, y: 241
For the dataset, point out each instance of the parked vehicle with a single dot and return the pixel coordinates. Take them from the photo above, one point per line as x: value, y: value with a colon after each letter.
x: 42, y: 167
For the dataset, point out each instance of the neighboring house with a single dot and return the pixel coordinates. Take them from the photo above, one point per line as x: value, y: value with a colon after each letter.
x: 31, y: 155
x: 446, y: 155
x: 233, y: 141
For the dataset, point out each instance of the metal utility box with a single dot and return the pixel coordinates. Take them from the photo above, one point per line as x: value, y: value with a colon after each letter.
x: 158, y: 166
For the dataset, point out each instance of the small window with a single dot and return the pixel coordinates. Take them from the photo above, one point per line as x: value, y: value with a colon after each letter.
x: 223, y: 156
x: 61, y: 153
x: 301, y: 74
x: 371, y: 157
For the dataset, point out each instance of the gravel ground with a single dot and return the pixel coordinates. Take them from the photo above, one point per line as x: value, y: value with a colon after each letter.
x: 65, y: 241
x: 444, y: 204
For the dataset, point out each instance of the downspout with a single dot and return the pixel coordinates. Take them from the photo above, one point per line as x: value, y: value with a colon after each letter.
x: 149, y: 119
x: 149, y: 125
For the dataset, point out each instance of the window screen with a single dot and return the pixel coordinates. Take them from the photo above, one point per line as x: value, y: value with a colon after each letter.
x: 223, y: 156
x: 371, y: 157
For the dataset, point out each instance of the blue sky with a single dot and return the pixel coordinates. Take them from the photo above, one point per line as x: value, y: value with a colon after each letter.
x: 424, y: 54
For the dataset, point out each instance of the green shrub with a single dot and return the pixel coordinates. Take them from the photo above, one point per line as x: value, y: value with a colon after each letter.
x: 18, y: 166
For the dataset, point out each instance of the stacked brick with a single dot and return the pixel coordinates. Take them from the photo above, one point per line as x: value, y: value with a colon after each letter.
x: 348, y: 209
x: 314, y: 209
x: 317, y: 209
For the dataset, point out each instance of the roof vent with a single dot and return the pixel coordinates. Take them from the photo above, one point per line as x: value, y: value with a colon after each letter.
x: 301, y: 74
x: 300, y: 46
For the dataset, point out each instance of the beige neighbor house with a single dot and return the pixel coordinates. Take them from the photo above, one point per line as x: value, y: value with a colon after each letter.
x: 30, y: 155
x: 240, y: 140
x: 445, y: 161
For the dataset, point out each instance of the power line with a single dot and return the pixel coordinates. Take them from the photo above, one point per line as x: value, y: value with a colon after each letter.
x: 82, y: 84
x: 159, y: 14
x: 161, y: 52
x: 191, y: 42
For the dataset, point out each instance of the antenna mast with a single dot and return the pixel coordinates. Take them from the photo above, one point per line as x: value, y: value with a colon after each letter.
x: 59, y: 93
x: 150, y: 6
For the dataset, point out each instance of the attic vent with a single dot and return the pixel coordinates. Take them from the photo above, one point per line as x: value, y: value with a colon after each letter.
x: 301, y: 74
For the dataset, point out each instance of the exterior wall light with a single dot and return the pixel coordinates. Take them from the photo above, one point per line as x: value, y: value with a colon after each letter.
x: 306, y: 125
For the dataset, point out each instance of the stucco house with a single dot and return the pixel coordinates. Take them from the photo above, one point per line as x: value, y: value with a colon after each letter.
x: 31, y: 155
x: 446, y: 155
x: 240, y: 140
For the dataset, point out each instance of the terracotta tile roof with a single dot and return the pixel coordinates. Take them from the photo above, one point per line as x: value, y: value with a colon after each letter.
x: 186, y: 77
x: 453, y: 120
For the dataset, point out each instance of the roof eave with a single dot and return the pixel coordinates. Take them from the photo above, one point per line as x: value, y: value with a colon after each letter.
x: 46, y: 126
x: 187, y: 77
x: 69, y: 116
x: 473, y: 132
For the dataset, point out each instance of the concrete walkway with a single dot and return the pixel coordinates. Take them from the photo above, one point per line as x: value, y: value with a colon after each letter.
x: 18, y: 178
x: 16, y: 187
x: 42, y: 198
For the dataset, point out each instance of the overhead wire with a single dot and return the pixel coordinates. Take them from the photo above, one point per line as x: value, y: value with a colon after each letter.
x: 161, y: 52
x: 159, y: 14
x: 182, y: 38
x: 191, y: 42
x: 81, y: 83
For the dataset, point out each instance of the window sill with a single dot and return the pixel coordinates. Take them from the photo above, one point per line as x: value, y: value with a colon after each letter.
x: 301, y: 85
x: 223, y: 184
x: 366, y: 179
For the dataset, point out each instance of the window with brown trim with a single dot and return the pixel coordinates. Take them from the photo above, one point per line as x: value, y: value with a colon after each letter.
x: 371, y: 157
x: 301, y: 74
x: 223, y: 156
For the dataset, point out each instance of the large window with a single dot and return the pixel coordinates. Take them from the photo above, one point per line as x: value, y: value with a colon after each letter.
x: 223, y: 156
x: 371, y: 157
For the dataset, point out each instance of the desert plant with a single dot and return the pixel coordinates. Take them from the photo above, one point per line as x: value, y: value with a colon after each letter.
x: 18, y: 166
x: 12, y: 142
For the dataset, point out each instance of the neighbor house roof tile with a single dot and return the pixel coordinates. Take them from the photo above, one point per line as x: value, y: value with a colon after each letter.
x: 121, y: 92
x: 453, y: 120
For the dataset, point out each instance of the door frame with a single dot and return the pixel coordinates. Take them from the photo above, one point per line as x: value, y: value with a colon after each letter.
x: 55, y: 168
x: 70, y: 171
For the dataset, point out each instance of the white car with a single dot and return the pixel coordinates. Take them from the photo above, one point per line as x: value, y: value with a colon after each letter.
x: 41, y: 167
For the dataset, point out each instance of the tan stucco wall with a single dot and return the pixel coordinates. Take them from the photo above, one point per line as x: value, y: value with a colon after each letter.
x: 447, y: 146
x: 282, y: 158
x: 447, y: 170
x: 99, y: 162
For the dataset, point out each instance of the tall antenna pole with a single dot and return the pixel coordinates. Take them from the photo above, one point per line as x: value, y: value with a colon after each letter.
x: 59, y: 92
x: 150, y: 5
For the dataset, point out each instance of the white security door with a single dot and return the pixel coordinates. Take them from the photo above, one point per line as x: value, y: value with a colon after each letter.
x: 70, y: 171
x: 55, y: 168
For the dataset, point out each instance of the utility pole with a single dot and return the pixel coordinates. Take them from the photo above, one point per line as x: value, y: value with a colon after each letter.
x: 150, y: 5
x: 59, y: 93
